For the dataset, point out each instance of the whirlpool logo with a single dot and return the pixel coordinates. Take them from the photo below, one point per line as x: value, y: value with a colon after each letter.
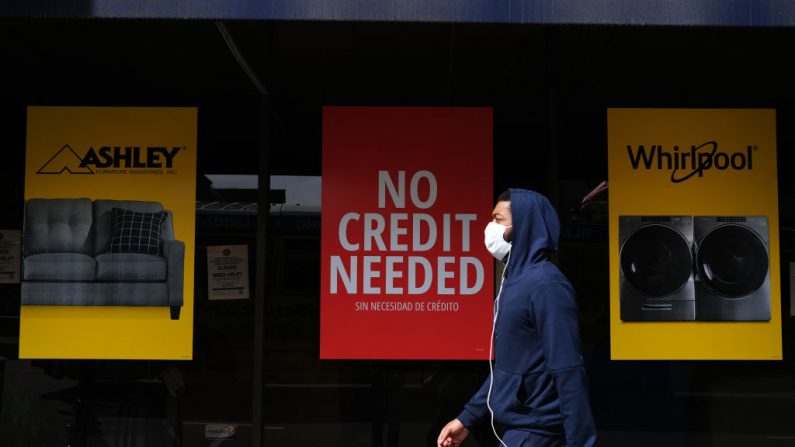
x: 113, y: 160
x: 685, y: 164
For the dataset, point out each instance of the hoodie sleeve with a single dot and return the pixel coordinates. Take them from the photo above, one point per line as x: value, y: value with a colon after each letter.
x: 554, y: 310
x: 476, y: 407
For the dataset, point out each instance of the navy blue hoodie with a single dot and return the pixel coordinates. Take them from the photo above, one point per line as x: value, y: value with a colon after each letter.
x: 539, y: 380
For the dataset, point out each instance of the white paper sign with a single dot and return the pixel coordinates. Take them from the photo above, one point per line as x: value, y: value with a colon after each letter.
x: 10, y: 256
x: 227, y: 272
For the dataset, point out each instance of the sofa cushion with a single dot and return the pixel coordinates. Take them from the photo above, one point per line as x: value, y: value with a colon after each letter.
x: 59, y: 267
x: 135, y: 232
x: 95, y: 293
x: 103, y: 219
x: 57, y: 226
x: 130, y: 267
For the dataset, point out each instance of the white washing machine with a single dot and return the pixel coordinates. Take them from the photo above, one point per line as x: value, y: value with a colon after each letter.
x: 656, y: 268
x: 732, y: 268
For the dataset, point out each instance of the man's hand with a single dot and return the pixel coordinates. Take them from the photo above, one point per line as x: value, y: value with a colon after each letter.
x: 452, y: 435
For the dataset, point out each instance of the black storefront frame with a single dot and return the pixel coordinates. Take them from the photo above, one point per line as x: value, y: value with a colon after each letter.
x: 263, y: 217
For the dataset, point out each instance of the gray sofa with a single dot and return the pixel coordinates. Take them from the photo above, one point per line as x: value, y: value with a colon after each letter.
x: 67, y: 260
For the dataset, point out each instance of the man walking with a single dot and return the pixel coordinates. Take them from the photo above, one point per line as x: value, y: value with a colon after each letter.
x: 538, y: 388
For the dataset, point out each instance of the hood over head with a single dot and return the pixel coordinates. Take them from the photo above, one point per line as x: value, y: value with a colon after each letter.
x: 536, y: 229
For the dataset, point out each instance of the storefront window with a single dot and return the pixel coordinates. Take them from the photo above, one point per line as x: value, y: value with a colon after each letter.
x: 549, y: 87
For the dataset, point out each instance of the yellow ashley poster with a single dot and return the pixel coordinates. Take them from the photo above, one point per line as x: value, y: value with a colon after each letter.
x: 694, y: 239
x: 108, y: 238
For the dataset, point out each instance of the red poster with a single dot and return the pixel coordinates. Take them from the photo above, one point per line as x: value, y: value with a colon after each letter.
x: 407, y: 193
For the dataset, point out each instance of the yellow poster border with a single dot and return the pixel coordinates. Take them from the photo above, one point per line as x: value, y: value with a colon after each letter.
x: 114, y: 332
x: 727, y: 192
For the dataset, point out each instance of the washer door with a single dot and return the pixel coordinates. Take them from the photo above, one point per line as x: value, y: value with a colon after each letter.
x: 656, y: 261
x: 732, y: 261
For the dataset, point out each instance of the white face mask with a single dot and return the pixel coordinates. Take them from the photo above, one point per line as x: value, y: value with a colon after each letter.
x: 495, y: 241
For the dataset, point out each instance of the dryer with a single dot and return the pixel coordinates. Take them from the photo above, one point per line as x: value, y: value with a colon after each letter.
x: 732, y: 268
x: 656, y: 268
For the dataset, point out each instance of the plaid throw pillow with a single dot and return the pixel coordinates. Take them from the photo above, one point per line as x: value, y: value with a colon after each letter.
x: 135, y: 232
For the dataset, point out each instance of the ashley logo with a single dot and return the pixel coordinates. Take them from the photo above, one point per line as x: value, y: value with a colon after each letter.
x: 685, y: 164
x: 112, y: 157
x: 67, y: 160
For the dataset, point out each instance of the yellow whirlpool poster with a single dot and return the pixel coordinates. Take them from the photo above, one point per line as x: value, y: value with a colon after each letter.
x: 694, y: 239
x: 108, y: 237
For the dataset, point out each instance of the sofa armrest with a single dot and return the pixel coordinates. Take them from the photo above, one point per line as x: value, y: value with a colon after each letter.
x: 174, y: 252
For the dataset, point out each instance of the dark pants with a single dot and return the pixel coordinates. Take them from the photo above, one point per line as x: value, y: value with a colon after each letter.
x: 519, y: 438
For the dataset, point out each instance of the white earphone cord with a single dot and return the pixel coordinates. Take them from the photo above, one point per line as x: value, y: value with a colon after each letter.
x: 491, y: 350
